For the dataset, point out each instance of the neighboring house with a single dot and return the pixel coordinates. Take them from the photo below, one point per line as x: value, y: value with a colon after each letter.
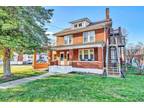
x: 93, y: 47
x: 139, y: 56
x: 17, y: 58
x: 21, y: 58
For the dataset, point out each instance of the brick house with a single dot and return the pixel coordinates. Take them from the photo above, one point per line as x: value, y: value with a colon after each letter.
x: 86, y: 46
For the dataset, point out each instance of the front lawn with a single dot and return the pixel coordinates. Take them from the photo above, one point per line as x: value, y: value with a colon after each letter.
x: 19, y: 71
x: 76, y: 87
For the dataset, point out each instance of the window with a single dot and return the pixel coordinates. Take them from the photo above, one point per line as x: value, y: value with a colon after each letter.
x: 80, y: 24
x: 75, y: 26
x: 88, y: 36
x: 91, y: 54
x: 68, y: 39
x: 80, y: 55
x: 91, y: 36
x: 85, y: 37
x: 62, y: 56
x: 86, y: 55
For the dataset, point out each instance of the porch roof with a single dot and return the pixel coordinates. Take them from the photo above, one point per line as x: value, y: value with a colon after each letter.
x: 78, y: 46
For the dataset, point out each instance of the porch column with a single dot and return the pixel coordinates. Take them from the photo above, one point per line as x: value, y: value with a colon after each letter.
x: 100, y: 56
x: 49, y: 57
x: 34, y: 59
x: 70, y: 57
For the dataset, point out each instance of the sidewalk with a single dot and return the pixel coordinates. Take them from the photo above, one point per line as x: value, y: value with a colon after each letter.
x: 15, y: 83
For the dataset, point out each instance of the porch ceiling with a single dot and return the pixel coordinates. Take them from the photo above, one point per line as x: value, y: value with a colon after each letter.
x: 89, y: 45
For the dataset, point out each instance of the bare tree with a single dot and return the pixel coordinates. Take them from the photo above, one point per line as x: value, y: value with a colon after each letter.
x: 139, y: 56
x: 131, y: 51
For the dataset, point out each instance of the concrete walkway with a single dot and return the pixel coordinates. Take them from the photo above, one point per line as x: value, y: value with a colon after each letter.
x: 15, y: 83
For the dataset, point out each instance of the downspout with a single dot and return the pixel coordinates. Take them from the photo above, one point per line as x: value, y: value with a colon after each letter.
x: 103, y: 60
x: 105, y: 65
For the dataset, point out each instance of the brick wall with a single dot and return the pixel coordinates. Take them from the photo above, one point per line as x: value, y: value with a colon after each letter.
x: 78, y: 38
x: 60, y: 40
x: 100, y: 36
x: 75, y: 55
x: 85, y: 64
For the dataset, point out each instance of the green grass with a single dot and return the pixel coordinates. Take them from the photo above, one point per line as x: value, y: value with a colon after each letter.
x: 76, y: 87
x: 19, y: 71
x: 134, y: 70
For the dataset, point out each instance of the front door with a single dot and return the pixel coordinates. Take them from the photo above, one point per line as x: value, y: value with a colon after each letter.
x: 62, y: 58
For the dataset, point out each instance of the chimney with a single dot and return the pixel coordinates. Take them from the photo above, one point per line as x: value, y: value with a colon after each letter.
x: 107, y: 13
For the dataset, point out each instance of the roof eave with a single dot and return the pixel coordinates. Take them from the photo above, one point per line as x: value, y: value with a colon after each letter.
x: 97, y: 26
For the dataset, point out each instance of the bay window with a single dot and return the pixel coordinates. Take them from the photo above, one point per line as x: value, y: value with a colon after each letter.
x: 86, y: 55
x: 88, y: 37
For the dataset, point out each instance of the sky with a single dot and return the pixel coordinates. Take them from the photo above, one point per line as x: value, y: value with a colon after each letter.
x: 129, y: 18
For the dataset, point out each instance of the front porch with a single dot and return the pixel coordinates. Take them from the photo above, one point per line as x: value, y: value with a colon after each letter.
x: 88, y: 60
x: 84, y: 57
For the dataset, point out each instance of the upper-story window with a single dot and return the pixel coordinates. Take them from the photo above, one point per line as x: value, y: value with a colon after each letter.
x: 75, y: 25
x: 68, y: 39
x: 88, y: 37
x: 78, y: 25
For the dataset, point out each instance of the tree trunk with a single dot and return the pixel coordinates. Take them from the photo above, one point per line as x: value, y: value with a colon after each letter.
x: 6, y: 63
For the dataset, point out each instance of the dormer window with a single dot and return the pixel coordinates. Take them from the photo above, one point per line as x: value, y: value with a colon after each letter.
x: 68, y: 39
x: 80, y: 24
x: 75, y: 25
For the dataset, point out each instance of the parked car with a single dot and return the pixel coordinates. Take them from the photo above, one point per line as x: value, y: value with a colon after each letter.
x: 27, y: 62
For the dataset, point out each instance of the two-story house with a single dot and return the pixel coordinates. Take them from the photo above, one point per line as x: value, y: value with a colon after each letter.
x: 85, y: 47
